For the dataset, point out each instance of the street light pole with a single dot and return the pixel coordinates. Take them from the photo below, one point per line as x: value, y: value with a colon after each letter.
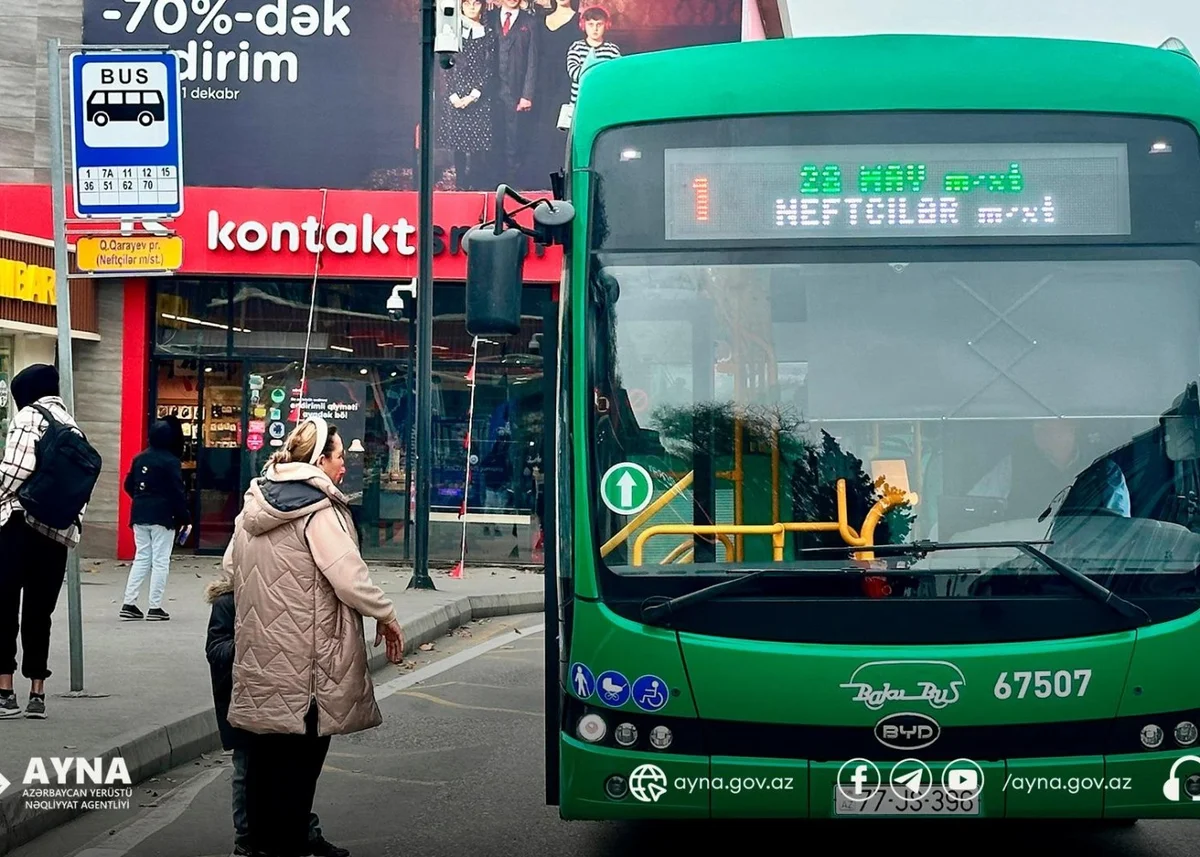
x: 420, y: 577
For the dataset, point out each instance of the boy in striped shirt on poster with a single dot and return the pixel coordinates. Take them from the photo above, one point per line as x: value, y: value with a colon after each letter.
x: 591, y: 49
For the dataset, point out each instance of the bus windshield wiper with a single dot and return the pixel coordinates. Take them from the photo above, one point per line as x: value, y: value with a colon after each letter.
x: 656, y: 609
x: 659, y: 607
x: 1087, y: 586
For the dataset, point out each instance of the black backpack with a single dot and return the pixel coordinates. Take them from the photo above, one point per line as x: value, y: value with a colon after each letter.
x: 66, y: 473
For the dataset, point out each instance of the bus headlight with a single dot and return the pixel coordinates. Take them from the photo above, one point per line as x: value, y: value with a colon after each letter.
x: 616, y: 787
x: 661, y: 737
x: 591, y: 728
x: 1186, y: 733
x: 626, y: 734
x: 1152, y: 736
x: 1192, y: 786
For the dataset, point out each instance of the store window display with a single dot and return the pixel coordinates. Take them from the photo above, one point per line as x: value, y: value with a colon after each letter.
x: 359, y: 376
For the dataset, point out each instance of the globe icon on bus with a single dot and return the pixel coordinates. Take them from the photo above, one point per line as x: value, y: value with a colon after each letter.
x: 648, y: 783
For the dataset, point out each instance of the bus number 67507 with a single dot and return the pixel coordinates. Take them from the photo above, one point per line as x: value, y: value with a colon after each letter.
x: 1046, y: 683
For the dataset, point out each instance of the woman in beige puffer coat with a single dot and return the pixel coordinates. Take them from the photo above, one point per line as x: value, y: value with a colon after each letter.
x: 301, y: 590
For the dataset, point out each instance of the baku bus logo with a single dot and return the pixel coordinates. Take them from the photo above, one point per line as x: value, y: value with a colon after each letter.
x: 907, y: 731
x: 879, y: 682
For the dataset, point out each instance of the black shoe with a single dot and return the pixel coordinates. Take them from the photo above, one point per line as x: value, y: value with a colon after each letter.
x: 36, y: 709
x: 131, y: 611
x: 157, y: 614
x: 9, y: 707
x: 321, y: 847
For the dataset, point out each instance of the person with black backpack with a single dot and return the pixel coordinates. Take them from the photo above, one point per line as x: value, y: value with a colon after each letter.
x: 47, y: 476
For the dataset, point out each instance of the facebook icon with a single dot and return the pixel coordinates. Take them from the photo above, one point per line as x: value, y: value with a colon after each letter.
x: 859, y: 780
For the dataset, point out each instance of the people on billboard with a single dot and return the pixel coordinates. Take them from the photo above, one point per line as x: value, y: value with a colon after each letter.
x: 517, y: 69
x: 537, y: 62
x: 592, y: 48
x: 466, y: 126
x: 558, y: 32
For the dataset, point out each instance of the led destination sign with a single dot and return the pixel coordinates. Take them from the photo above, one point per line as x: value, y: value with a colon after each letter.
x: 942, y: 190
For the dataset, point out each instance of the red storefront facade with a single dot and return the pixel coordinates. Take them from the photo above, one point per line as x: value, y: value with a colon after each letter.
x: 230, y: 321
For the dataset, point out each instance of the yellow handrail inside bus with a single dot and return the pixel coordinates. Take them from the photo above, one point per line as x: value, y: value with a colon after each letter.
x: 648, y: 513
x: 891, y: 497
x: 775, y: 531
x: 686, y: 549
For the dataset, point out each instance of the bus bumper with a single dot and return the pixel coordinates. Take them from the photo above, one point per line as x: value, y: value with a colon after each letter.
x: 600, y: 783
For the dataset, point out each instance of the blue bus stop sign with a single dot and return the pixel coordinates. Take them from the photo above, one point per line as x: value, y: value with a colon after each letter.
x: 127, y: 152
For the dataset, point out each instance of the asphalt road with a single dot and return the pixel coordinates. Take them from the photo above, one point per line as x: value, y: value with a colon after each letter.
x: 456, y: 769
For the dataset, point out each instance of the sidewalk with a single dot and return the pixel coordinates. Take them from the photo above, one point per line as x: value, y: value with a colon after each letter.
x: 147, y: 695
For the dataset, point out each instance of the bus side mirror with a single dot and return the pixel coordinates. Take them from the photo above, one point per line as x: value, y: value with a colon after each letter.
x: 495, y: 262
x: 1182, y: 436
x: 1181, y: 425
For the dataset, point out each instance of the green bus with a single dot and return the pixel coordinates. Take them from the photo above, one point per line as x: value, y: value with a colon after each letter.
x: 875, y: 486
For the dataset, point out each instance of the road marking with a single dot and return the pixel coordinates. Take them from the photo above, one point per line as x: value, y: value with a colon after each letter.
x: 431, y: 698
x: 472, y: 684
x: 404, y: 754
x: 396, y: 685
x: 380, y: 778
x: 166, y: 813
x: 508, y: 656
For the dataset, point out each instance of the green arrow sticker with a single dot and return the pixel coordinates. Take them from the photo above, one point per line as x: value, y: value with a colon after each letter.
x: 627, y: 488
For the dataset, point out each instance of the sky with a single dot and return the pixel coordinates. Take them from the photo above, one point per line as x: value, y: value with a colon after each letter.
x: 1146, y: 22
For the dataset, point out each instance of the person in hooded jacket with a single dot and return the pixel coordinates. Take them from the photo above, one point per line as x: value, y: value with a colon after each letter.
x: 160, y: 508
x: 35, y: 555
x: 300, y: 591
x: 218, y: 648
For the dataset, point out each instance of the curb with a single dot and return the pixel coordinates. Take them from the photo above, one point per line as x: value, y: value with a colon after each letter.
x: 154, y: 750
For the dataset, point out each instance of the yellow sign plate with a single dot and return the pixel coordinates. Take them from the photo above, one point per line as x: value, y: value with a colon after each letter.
x: 121, y: 254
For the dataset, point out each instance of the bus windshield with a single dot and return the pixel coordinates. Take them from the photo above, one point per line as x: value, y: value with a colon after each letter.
x: 959, y: 400
x: 856, y: 329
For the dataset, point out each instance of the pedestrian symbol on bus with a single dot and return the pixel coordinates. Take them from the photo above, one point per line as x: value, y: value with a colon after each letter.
x: 582, y: 681
x: 650, y: 693
x: 614, y: 688
x: 627, y: 488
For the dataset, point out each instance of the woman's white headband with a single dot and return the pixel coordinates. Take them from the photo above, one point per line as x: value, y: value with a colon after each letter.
x: 322, y: 437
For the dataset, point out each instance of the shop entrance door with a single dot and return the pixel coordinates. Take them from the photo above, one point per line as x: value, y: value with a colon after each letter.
x: 206, y: 398
x: 219, y: 466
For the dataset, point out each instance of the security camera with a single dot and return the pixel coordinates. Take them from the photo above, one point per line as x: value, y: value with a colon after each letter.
x: 395, y: 301
x: 395, y: 305
x: 448, y: 32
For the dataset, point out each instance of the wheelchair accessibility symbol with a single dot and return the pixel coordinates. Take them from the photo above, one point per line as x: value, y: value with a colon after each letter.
x: 650, y: 693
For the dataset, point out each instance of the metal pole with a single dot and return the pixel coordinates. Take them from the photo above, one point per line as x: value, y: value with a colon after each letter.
x: 408, y: 441
x: 62, y: 290
x: 420, y: 578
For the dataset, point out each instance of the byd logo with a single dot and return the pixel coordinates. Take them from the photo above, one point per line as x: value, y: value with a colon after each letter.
x: 907, y: 731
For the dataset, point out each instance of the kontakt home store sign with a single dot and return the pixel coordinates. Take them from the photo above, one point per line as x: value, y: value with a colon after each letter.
x: 364, y: 235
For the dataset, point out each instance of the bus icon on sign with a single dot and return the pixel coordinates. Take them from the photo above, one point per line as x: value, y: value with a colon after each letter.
x: 123, y: 105
x: 144, y: 107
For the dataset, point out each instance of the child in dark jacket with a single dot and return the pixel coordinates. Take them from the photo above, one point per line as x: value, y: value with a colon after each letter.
x: 218, y: 648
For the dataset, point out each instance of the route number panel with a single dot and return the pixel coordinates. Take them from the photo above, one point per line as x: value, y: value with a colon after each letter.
x: 121, y: 185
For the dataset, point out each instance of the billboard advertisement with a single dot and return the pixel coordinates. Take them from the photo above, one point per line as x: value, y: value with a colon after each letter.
x: 326, y: 93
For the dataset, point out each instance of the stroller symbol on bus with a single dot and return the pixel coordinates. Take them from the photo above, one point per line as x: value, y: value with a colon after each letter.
x: 614, y: 688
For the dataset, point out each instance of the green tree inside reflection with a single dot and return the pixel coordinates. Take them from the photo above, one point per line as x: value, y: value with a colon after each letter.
x: 809, y: 468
